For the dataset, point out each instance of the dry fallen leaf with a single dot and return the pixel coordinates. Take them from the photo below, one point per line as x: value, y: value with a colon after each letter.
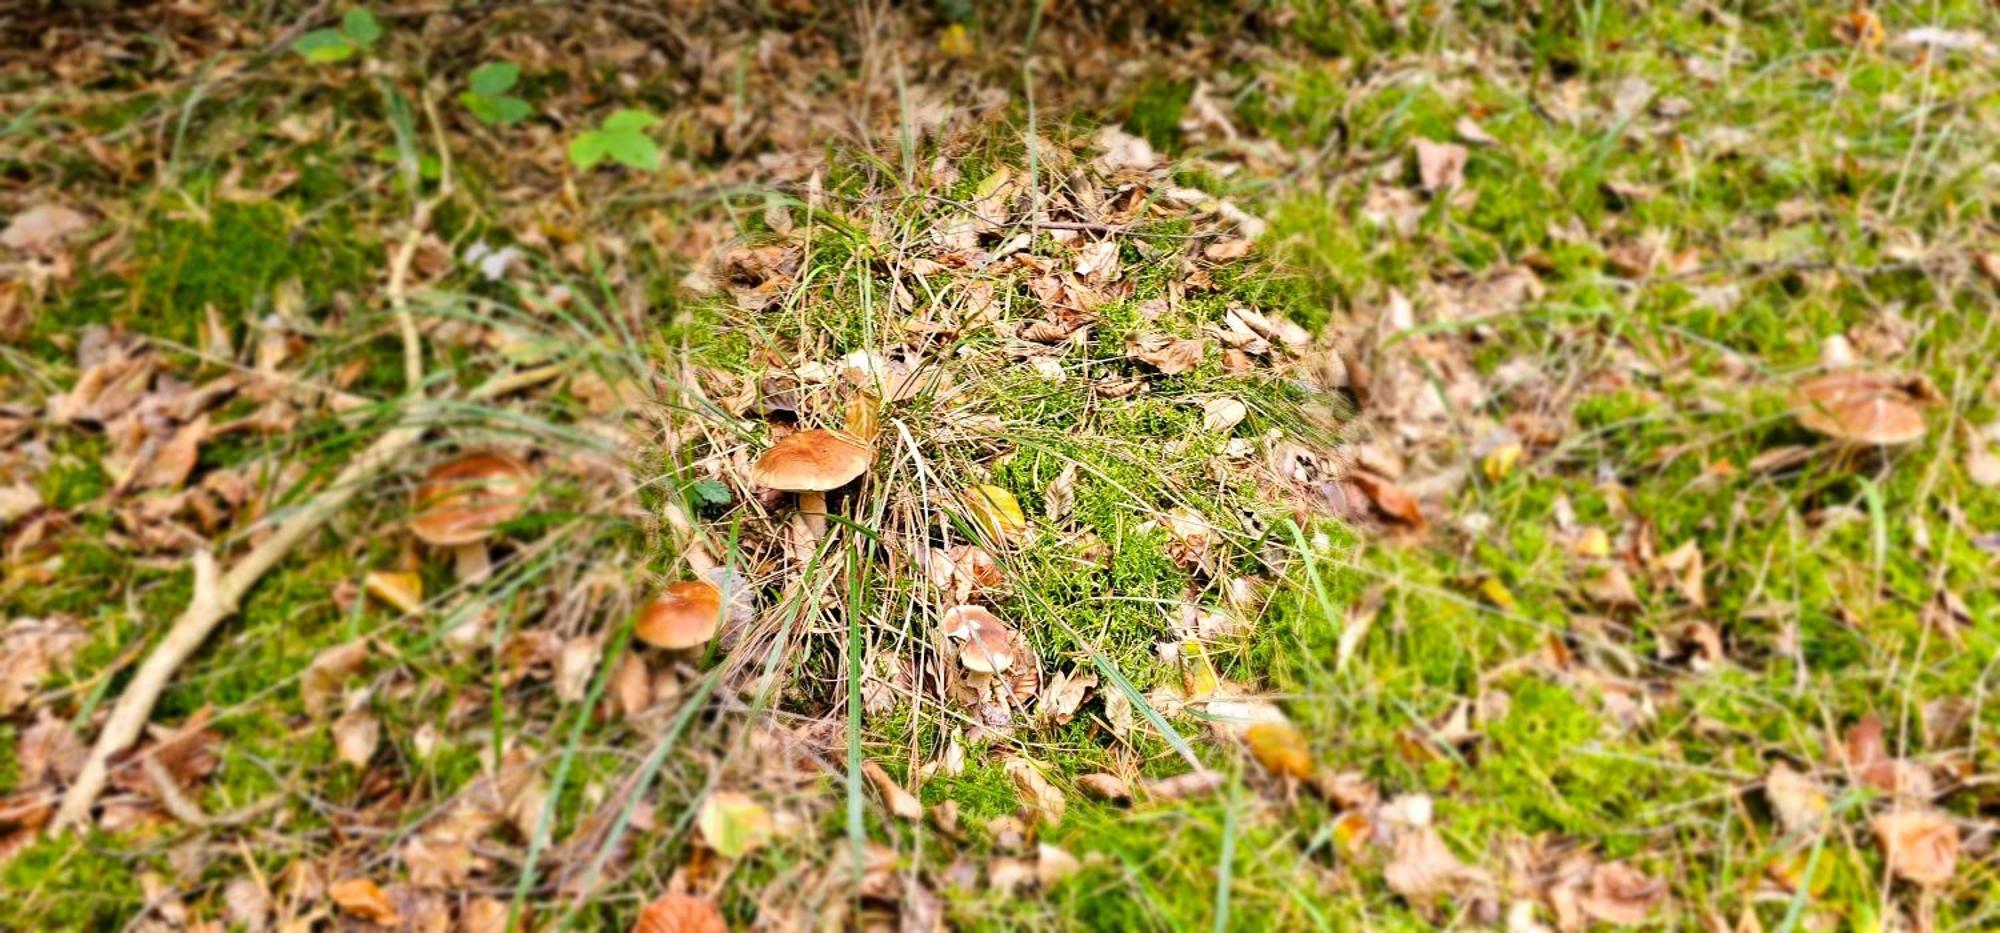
x: 365, y: 899
x: 1104, y: 786
x: 996, y: 512
x: 1800, y: 802
x: 1620, y: 894
x: 733, y: 824
x: 41, y: 229
x: 1041, y: 797
x: 680, y: 913
x: 1425, y: 867
x: 1440, y: 166
x: 900, y: 802
x: 1920, y: 846
x: 323, y: 677
x: 1052, y: 865
x: 356, y: 735
x: 1280, y: 748
x: 400, y: 589
x: 1221, y: 415
x: 1170, y: 355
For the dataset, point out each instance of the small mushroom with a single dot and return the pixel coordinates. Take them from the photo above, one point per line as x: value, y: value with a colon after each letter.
x: 1862, y: 409
x: 685, y: 615
x: 811, y: 463
x: 989, y: 644
x: 461, y: 501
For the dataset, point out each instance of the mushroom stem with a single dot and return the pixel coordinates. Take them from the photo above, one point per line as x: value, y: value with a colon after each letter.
x: 812, y: 508
x: 472, y: 562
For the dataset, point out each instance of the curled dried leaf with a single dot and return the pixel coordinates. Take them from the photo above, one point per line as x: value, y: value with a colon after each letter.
x: 680, y: 913
x: 1920, y: 846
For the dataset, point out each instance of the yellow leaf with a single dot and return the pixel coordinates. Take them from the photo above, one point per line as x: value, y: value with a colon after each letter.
x: 955, y: 42
x: 733, y: 824
x: 1592, y: 543
x: 1280, y: 748
x: 996, y: 512
x: 1501, y: 460
x: 404, y: 591
x: 1497, y: 593
x: 864, y: 419
x: 1197, y: 671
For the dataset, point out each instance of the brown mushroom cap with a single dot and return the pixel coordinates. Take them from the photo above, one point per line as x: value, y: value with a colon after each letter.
x: 461, y: 500
x: 811, y: 461
x: 1859, y: 408
x: 684, y: 615
x: 989, y: 644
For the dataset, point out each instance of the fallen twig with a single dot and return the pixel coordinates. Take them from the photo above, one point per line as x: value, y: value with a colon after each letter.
x: 217, y: 595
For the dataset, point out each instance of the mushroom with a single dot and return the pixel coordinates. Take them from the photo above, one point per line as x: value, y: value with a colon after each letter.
x: 989, y: 644
x: 811, y: 463
x: 684, y: 615
x: 461, y: 501
x: 1860, y: 408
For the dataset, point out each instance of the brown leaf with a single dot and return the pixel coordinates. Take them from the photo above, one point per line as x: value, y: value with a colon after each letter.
x: 1921, y: 846
x: 323, y: 677
x: 1183, y: 786
x: 1105, y: 786
x: 29, y: 650
x: 1620, y: 894
x: 1170, y: 355
x: 1227, y: 250
x: 42, y: 228
x: 900, y: 802
x: 1222, y: 415
x: 174, y: 462
x: 356, y: 735
x: 365, y: 899
x: 1391, y: 500
x: 1800, y: 802
x: 680, y: 913
x: 1424, y: 866
x: 1060, y: 498
x: 1440, y: 166
x: 1042, y: 797
x: 1052, y: 865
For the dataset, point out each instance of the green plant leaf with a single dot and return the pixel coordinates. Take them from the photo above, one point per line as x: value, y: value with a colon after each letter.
x: 633, y: 149
x: 632, y: 120
x: 709, y: 492
x: 588, y: 149
x: 322, y: 46
x: 360, y: 26
x: 500, y: 111
x: 494, y: 78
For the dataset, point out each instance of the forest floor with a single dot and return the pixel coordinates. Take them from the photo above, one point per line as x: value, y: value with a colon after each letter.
x: 1323, y: 466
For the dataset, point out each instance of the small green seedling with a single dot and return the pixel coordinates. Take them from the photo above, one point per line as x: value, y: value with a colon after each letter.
x: 623, y: 138
x: 488, y: 98
x: 358, y: 31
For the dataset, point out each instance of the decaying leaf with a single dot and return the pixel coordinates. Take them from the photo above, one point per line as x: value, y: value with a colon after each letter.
x: 356, y: 735
x: 1105, y: 786
x: 1183, y: 786
x: 1038, y: 795
x: 1620, y: 894
x: 1170, y: 355
x: 1280, y: 748
x: 365, y: 899
x: 1053, y: 864
x: 1920, y: 845
x: 996, y: 512
x: 680, y: 913
x: 1440, y: 166
x: 42, y: 228
x: 1800, y: 802
x: 331, y: 668
x: 734, y: 824
x: 1424, y: 867
x: 1222, y: 415
x: 400, y: 589
x: 899, y: 802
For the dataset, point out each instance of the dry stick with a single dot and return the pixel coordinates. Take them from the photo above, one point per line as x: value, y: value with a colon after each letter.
x: 217, y: 595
